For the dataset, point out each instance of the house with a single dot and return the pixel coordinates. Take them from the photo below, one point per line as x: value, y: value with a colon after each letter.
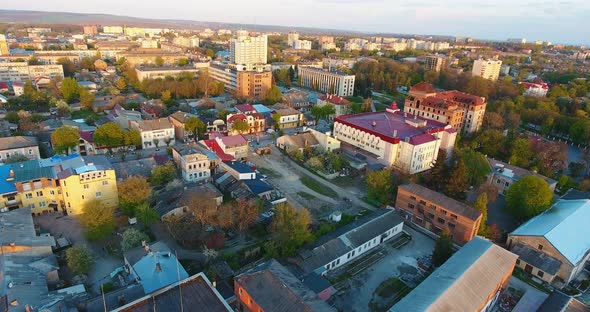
x: 194, y: 164
x: 228, y: 148
x: 245, y: 109
x: 309, y: 138
x: 502, y: 175
x: 27, y: 146
x: 66, y: 182
x: 135, y: 167
x: 471, y: 280
x: 239, y: 170
x: 152, y: 109
x: 28, y: 264
x: 175, y: 202
x: 122, y: 117
x: 341, y: 105
x: 435, y: 212
x: 350, y: 242
x: 256, y: 121
x: 195, y: 292
x: 396, y: 139
x: 554, y: 246
x: 178, y: 120
x: 288, y: 118
x: 558, y: 301
x: 154, y: 133
x: 269, y: 286
x: 153, y: 266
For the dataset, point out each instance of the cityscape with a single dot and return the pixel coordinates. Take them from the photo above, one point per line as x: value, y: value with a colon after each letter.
x: 235, y: 162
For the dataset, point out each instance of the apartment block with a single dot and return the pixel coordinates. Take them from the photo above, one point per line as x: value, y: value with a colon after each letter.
x: 245, y: 49
x: 22, y: 71
x: 437, y: 212
x: 4, y: 50
x: 242, y: 83
x: 434, y: 62
x: 145, y: 72
x: 462, y: 111
x: 488, y: 69
x: 326, y: 81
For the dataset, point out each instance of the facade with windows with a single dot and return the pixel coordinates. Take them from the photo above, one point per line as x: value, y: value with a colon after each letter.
x: 437, y: 212
x: 326, y: 81
x: 194, y: 164
x: 155, y: 133
x: 19, y: 145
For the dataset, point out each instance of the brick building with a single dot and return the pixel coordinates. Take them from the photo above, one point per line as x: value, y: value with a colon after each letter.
x: 436, y: 212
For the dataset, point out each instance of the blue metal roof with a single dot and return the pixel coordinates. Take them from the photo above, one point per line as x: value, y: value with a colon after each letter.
x: 257, y: 186
x: 6, y: 186
x: 239, y: 167
x: 565, y: 226
x: 261, y: 108
x: 152, y: 279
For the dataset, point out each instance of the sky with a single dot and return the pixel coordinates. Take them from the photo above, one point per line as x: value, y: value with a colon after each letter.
x: 565, y: 21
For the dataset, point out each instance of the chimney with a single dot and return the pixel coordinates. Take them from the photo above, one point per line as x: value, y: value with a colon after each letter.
x: 394, y: 133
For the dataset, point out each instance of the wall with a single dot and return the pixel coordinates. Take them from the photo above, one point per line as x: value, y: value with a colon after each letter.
x: 77, y: 192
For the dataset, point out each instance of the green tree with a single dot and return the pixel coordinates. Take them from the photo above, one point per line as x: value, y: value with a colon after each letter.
x: 163, y: 174
x: 69, y: 89
x: 443, y: 249
x: 12, y: 117
x: 86, y: 98
x: 87, y: 63
x: 290, y: 228
x: 222, y: 114
x: 64, y: 139
x: 481, y: 205
x: 273, y: 96
x: 196, y: 126
x: 528, y: 197
x: 132, y: 192
x: 477, y: 167
x: 491, y: 142
x: 565, y: 183
x: 277, y: 119
x: 15, y: 159
x: 146, y: 214
x: 68, y: 66
x: 79, y: 259
x: 521, y: 153
x: 98, y: 220
x: 380, y: 185
x: 241, y: 126
x: 183, y: 61
x: 210, y: 53
x: 121, y: 84
x: 458, y: 181
x: 132, y: 238
x: 580, y: 132
x: 62, y: 108
x: 436, y: 178
x: 109, y: 135
x: 132, y: 138
x: 166, y: 96
x: 159, y: 61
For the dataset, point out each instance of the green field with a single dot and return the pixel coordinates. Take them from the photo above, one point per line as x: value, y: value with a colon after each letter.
x: 318, y: 187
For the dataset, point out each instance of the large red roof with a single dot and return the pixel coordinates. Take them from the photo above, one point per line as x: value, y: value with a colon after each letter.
x: 335, y: 99
x: 424, y: 87
x: 245, y: 108
x: 212, y: 144
x: 236, y: 116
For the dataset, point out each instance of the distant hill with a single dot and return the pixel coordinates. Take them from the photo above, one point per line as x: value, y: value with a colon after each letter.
x: 44, y: 18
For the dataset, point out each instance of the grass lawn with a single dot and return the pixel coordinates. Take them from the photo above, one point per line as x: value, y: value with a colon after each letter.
x: 306, y: 195
x: 84, y: 114
x: 269, y: 172
x: 355, y: 99
x: 387, y: 294
x: 318, y: 187
x: 390, y: 287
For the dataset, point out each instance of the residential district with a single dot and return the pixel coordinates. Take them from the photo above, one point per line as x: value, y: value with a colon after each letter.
x: 169, y: 169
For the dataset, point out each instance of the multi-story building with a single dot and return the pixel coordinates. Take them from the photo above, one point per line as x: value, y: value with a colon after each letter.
x: 502, y: 175
x: 178, y: 120
x: 27, y: 146
x: 149, y: 44
x: 144, y: 72
x: 188, y: 42
x: 242, y: 83
x: 327, y: 82
x: 434, y: 62
x: 341, y: 105
x: 289, y: 118
x: 462, y: 111
x: 4, y: 50
x: 292, y: 37
x: 228, y: 148
x: 112, y: 29
x: 135, y: 58
x: 256, y: 121
x: 247, y: 50
x: 437, y: 212
x: 302, y: 45
x: 66, y: 182
x: 545, y: 244
x: 396, y: 139
x: 270, y: 286
x: 326, y: 39
x: 22, y: 71
x: 471, y: 280
x: 194, y: 164
x: 516, y: 40
x: 536, y: 89
x: 90, y: 30
x: 43, y: 57
x: 155, y: 133
x: 488, y: 69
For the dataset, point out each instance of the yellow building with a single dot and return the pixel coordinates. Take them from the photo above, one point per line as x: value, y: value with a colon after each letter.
x: 4, y: 45
x: 60, y: 183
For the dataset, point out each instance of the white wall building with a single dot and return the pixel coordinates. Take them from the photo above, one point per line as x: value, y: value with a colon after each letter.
x: 488, y: 69
x: 396, y: 139
x: 192, y: 42
x: 194, y: 165
x: 22, y: 71
x: 326, y: 81
x: 302, y: 45
x: 247, y: 50
x: 155, y: 133
x: 112, y: 29
x: 292, y: 37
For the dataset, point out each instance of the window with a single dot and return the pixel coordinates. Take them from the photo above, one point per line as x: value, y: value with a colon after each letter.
x: 433, y: 207
x: 444, y: 212
x: 430, y: 216
x: 39, y: 193
x: 540, y: 273
x: 411, y: 206
x: 98, y: 194
x: 454, y: 216
x: 422, y: 202
x: 440, y: 220
x: 86, y: 186
x: 540, y: 247
x: 451, y: 225
x: 29, y: 196
x: 42, y: 204
x: 52, y: 192
x: 105, y: 182
x: 412, y: 198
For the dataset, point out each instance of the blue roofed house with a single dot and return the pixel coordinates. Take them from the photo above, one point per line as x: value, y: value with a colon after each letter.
x: 554, y: 245
x: 154, y: 266
x: 471, y: 280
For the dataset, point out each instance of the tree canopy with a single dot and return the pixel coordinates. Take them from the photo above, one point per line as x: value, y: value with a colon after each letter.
x: 109, y: 135
x: 481, y: 205
x: 241, y: 126
x: 380, y: 185
x: 98, y: 220
x: 163, y: 174
x: 196, y: 126
x: 528, y: 197
x: 132, y: 238
x: 69, y: 89
x: 273, y: 96
x: 443, y: 249
x: 64, y: 139
x: 132, y: 192
x: 290, y: 228
x: 79, y: 259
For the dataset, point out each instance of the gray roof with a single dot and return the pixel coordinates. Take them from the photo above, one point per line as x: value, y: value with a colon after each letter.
x: 442, y: 200
x: 338, y: 243
x: 154, y: 124
x: 515, y: 173
x: 135, y: 254
x: 140, y: 167
x: 565, y: 220
x: 274, y: 288
x: 560, y: 302
x: 464, y: 282
x: 17, y: 142
x: 537, y: 259
x: 194, y: 293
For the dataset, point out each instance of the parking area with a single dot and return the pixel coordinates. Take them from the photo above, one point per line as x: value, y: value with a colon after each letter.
x: 357, y: 292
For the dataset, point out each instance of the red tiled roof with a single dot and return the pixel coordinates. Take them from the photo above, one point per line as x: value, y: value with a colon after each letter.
x: 424, y: 87
x: 530, y: 85
x: 335, y: 99
x: 3, y: 85
x: 234, y: 140
x: 421, y: 139
x: 87, y: 136
x: 245, y: 108
x: 212, y: 144
x: 237, y: 116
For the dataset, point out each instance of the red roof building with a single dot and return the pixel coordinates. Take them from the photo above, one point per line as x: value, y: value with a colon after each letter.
x: 245, y: 108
